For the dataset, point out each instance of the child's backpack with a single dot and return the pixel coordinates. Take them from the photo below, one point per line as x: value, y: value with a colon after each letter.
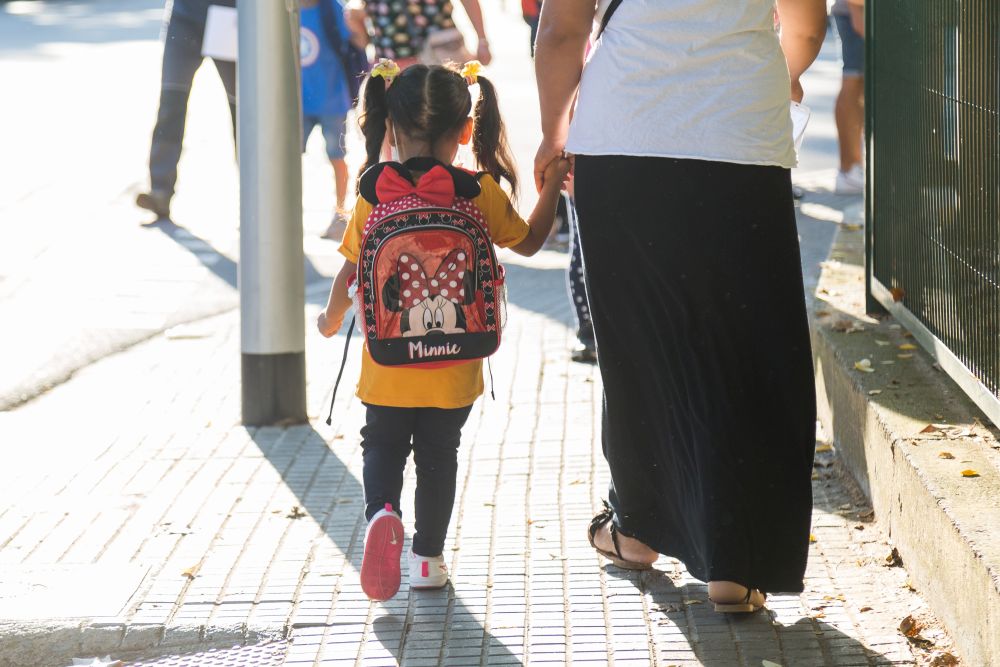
x: 429, y: 291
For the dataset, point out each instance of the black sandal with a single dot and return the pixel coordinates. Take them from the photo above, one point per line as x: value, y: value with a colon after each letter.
x: 616, y: 558
x: 745, y: 606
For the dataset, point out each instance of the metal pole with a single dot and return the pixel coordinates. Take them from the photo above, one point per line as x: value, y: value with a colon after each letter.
x: 271, y: 268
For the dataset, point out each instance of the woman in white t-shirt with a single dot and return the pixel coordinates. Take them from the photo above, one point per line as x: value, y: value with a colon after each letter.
x: 683, y: 148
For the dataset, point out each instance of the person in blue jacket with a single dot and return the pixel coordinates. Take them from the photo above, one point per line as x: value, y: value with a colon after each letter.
x: 326, y: 97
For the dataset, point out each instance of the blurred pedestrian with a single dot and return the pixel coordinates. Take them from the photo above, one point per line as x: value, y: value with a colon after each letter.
x: 682, y: 140
x: 326, y: 93
x: 849, y: 111
x: 411, y: 31
x: 185, y: 29
x: 531, y: 10
x: 421, y: 407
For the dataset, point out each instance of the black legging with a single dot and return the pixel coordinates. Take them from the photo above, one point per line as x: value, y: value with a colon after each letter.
x: 433, y: 435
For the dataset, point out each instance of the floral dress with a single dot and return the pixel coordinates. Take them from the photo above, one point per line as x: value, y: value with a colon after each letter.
x: 399, y: 27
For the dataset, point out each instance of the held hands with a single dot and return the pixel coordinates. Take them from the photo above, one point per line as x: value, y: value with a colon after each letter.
x: 556, y: 172
x: 328, y: 326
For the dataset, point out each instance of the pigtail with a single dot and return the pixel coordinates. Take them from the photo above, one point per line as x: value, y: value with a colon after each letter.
x: 489, y: 139
x: 373, y: 116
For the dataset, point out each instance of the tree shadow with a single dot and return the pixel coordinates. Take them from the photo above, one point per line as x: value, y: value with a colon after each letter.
x: 414, y: 624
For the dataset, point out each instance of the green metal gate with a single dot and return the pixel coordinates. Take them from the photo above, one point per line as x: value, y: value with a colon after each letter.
x: 933, y: 113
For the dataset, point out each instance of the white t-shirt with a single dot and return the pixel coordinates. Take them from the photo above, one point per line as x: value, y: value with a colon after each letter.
x: 700, y: 79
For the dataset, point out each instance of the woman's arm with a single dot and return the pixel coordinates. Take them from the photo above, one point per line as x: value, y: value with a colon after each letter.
x: 475, y: 13
x: 803, y: 28
x: 563, y: 30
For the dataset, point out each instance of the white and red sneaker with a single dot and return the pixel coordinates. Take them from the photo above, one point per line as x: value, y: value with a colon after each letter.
x: 383, y: 547
x: 427, y: 572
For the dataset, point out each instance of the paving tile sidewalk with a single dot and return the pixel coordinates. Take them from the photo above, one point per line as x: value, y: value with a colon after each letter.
x: 250, y: 535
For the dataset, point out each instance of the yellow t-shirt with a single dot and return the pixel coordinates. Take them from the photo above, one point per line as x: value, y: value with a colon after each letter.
x: 451, y: 386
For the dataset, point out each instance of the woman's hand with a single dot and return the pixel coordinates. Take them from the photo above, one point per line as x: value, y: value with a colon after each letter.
x: 548, y: 152
x: 556, y: 172
x: 797, y: 92
x: 328, y: 326
x: 483, y: 54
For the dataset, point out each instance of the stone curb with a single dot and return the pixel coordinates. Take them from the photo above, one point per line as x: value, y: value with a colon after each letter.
x: 906, y: 432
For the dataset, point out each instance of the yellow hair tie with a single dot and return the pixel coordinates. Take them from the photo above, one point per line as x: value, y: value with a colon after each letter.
x: 471, y: 71
x: 387, y: 69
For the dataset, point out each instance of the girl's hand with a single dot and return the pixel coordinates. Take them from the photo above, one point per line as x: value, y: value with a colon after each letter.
x: 327, y: 326
x: 548, y: 152
x: 556, y: 172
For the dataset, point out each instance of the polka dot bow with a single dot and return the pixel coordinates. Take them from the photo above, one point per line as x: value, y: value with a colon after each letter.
x: 447, y: 281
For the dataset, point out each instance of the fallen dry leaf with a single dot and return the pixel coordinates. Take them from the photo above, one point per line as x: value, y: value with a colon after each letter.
x: 691, y: 602
x: 864, y: 609
x: 192, y: 571
x: 768, y: 663
x: 910, y: 627
x: 907, y: 346
x: 575, y: 482
x: 812, y: 538
x: 898, y: 293
x: 943, y: 659
x: 824, y: 447
x: 864, y: 365
x: 970, y: 473
x: 815, y: 476
x: 893, y: 559
x: 847, y: 326
x: 930, y: 428
x: 946, y: 455
x: 887, y: 362
x: 874, y: 392
x: 881, y: 342
x: 904, y: 356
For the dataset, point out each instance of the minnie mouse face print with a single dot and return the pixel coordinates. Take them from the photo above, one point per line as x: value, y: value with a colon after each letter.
x: 430, y: 305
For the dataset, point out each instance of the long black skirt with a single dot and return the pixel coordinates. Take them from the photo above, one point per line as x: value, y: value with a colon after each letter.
x: 695, y: 288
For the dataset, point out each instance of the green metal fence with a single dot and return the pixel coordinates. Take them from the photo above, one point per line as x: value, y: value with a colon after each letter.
x: 933, y: 108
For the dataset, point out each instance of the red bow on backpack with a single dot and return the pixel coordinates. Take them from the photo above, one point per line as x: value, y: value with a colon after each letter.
x: 436, y: 186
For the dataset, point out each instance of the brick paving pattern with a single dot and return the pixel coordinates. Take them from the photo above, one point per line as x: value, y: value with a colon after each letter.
x: 257, y: 533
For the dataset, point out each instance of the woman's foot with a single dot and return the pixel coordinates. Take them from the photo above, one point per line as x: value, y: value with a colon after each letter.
x: 631, y: 553
x: 731, y: 597
x: 427, y: 572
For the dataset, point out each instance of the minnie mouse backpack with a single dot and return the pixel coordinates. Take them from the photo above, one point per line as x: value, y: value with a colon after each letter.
x: 429, y: 291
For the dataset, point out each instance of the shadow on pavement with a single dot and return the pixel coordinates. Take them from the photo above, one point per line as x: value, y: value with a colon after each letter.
x: 219, y: 264
x: 322, y: 494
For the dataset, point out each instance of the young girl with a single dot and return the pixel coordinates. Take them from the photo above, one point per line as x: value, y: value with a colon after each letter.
x: 425, y: 114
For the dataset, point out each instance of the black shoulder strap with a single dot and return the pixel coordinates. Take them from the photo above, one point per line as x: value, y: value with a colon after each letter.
x: 607, y: 15
x: 330, y: 27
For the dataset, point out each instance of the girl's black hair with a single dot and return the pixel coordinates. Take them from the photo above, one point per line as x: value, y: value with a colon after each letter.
x: 427, y: 103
